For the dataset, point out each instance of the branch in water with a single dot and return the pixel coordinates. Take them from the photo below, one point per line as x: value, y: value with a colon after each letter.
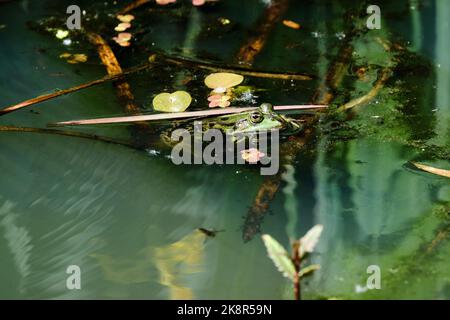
x: 272, y: 15
x: 176, y: 115
x: 383, y: 77
x: 239, y: 70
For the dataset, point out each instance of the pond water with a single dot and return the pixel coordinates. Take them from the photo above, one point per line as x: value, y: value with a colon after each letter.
x: 130, y: 219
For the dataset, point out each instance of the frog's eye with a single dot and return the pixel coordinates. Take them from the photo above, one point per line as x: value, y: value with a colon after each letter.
x: 256, y: 117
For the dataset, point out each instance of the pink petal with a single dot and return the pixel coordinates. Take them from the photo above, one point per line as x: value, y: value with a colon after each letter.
x: 164, y: 2
x: 252, y: 155
x: 215, y: 97
x: 198, y: 2
x: 214, y: 104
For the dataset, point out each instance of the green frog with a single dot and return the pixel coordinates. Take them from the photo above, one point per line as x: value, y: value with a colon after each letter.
x: 262, y: 119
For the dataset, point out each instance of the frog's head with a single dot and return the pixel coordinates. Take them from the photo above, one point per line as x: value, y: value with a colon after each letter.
x: 265, y: 119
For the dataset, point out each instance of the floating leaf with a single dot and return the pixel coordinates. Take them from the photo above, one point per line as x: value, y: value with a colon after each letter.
x: 65, y: 55
x: 125, y: 18
x: 172, y: 102
x: 61, y: 34
x: 308, y: 270
x: 279, y: 256
x: 224, y: 21
x: 122, y: 26
x: 437, y: 171
x: 291, y: 24
x: 309, y: 240
x: 252, y: 155
x: 223, y: 80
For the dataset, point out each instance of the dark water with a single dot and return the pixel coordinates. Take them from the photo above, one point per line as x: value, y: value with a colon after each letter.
x: 129, y: 219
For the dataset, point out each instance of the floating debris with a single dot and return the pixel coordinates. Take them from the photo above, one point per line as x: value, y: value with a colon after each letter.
x: 291, y: 24
x: 122, y: 26
x: 61, y: 34
x: 125, y: 18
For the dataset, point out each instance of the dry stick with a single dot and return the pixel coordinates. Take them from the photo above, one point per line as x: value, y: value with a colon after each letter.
x: 67, y: 134
x: 436, y: 171
x: 242, y: 71
x: 177, y: 115
x: 59, y: 93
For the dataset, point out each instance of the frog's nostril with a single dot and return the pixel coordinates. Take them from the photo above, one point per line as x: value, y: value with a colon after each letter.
x: 266, y: 107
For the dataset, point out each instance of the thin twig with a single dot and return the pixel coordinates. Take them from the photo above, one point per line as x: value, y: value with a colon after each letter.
x: 177, y: 115
x: 240, y: 70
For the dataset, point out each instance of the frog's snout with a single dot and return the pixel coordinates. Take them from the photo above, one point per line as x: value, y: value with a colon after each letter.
x: 266, y: 108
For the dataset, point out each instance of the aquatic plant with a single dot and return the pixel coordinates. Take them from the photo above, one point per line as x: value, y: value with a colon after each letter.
x: 290, y: 265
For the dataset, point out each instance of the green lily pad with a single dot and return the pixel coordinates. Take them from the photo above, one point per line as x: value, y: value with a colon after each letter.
x: 223, y: 80
x: 172, y: 102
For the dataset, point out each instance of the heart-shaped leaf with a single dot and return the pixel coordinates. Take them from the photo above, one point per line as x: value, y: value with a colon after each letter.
x: 223, y: 80
x: 172, y: 102
x: 279, y: 256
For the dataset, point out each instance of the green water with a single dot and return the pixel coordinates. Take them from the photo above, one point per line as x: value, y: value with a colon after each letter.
x: 128, y: 219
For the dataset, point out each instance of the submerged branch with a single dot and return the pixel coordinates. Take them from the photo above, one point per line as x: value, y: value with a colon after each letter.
x: 113, y: 67
x: 67, y: 134
x: 272, y: 15
x: 383, y: 77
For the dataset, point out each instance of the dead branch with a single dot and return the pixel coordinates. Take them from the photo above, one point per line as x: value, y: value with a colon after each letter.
x: 243, y: 71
